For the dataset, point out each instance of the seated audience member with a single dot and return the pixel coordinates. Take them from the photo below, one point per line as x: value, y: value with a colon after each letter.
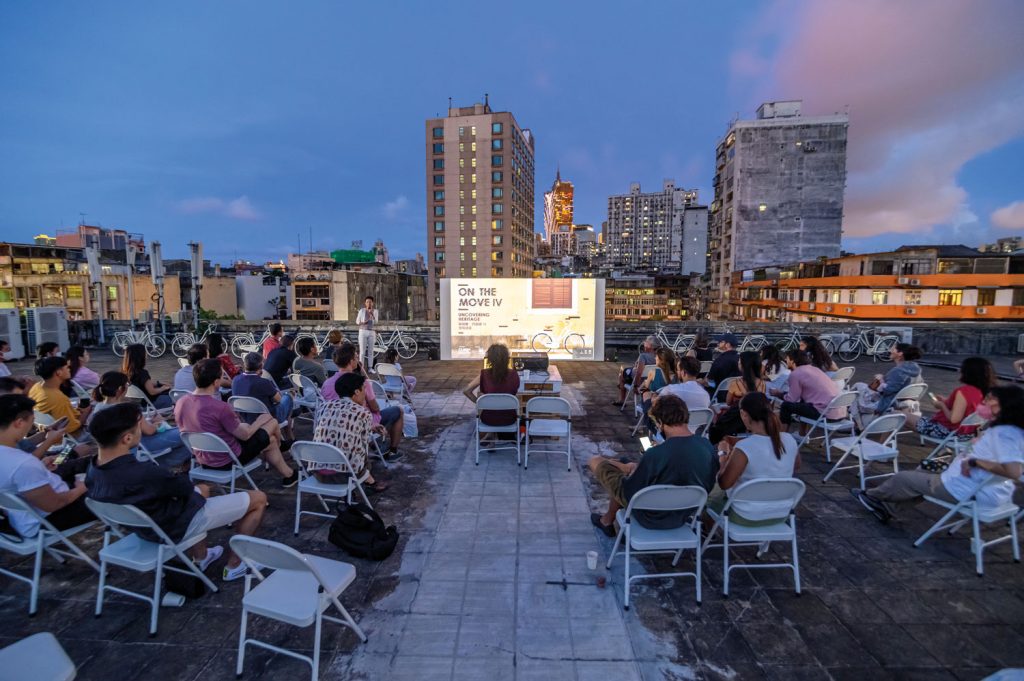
x: 280, y: 360
x: 47, y: 349
x: 998, y: 451
x: 334, y: 341
x: 766, y: 453
x: 169, y: 499
x: 728, y: 421
x: 391, y: 357
x: 134, y: 367
x: 111, y: 391
x: 810, y: 390
x: 273, y: 341
x: 40, y: 442
x: 876, y: 397
x: 204, y: 412
x: 5, y: 347
x: 701, y: 349
x: 634, y: 375
x: 775, y: 370
x: 688, y: 389
x: 820, y: 358
x: 217, y: 349
x: 497, y: 377
x: 665, y: 360
x: 32, y: 479
x: 977, y: 377
x: 78, y: 360
x: 48, y: 397
x: 251, y: 383
x: 392, y: 417
x: 183, y: 379
x: 682, y: 459
x: 347, y: 424
x: 726, y: 365
x: 307, y: 363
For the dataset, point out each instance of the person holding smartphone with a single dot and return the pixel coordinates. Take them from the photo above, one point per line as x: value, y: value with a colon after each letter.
x: 977, y: 376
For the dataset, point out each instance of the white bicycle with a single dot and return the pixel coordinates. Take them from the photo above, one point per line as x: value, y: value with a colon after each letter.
x: 321, y: 343
x: 244, y: 343
x: 182, y: 341
x: 155, y: 345
x: 405, y: 344
x: 878, y: 347
x: 682, y: 344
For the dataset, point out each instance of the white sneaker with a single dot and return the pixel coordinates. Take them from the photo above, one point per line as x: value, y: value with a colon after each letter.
x: 237, y: 572
x: 762, y: 549
x: 212, y: 554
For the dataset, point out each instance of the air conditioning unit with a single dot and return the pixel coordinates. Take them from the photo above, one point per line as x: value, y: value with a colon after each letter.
x: 10, y: 331
x: 47, y: 324
x: 981, y: 310
x: 849, y: 309
x: 903, y: 281
x: 910, y: 310
x: 828, y: 308
x: 179, y: 317
x: 915, y: 282
x: 811, y: 306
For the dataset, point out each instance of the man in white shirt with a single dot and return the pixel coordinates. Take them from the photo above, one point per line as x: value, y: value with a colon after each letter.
x: 183, y: 379
x: 688, y: 389
x: 32, y: 479
x: 367, y: 320
x: 4, y: 347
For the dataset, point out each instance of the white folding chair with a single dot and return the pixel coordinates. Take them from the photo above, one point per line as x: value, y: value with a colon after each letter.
x: 956, y: 439
x: 80, y: 392
x: 380, y: 393
x: 497, y: 402
x: 844, y: 400
x: 136, y: 394
x: 44, y: 420
x: 393, y: 380
x: 141, y: 555
x: 638, y: 403
x: 705, y: 366
x: 721, y: 390
x: 555, y: 421
x: 142, y: 453
x: 46, y: 540
x: 313, y: 456
x: 758, y: 500
x: 637, y: 539
x: 39, y: 657
x: 635, y: 383
x: 866, y: 451
x: 178, y: 394
x: 909, y: 398
x: 844, y: 374
x: 970, y: 511
x: 182, y: 362
x: 307, y: 395
x: 208, y: 442
x: 250, y: 406
x: 700, y: 421
x: 298, y: 592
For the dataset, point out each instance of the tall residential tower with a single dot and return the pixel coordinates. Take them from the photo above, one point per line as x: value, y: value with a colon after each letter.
x: 480, y: 203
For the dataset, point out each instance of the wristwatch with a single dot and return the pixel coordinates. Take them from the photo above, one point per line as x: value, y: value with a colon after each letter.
x: 972, y: 463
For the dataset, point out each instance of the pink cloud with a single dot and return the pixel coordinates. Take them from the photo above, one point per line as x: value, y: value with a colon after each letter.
x: 1010, y: 216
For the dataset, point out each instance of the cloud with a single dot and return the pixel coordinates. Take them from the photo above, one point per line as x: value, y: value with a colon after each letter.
x: 394, y: 209
x: 1009, y: 217
x: 236, y: 209
x: 929, y: 86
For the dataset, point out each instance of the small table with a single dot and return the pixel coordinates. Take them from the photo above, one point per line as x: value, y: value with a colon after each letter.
x: 539, y: 384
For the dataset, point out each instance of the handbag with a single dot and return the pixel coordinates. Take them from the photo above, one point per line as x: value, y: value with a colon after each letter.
x: 359, y: 531
x: 409, y: 427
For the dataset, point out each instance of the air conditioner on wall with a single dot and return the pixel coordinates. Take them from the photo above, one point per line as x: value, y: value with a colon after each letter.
x: 910, y: 310
x: 47, y: 324
x: 828, y: 308
x: 915, y: 282
x: 849, y: 309
x: 811, y: 306
x: 10, y: 331
x: 903, y: 281
x: 981, y: 310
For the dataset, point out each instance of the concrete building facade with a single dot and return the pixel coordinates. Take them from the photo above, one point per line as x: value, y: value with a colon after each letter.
x: 480, y: 197
x: 337, y: 295
x: 779, y: 185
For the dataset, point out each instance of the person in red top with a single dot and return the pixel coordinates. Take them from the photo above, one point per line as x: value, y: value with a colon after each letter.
x: 977, y: 377
x: 273, y: 341
x: 219, y: 352
x: 496, y: 377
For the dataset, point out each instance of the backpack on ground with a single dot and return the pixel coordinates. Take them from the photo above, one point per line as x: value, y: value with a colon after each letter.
x: 361, y: 533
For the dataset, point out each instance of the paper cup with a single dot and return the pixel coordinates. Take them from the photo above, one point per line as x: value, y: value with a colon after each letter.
x: 80, y: 477
x: 592, y: 560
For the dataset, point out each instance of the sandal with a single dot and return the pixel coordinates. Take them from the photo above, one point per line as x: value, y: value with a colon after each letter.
x: 609, y: 530
x: 377, y: 487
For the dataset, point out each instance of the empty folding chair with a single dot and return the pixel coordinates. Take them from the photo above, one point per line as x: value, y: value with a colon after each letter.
x: 497, y: 402
x: 141, y: 555
x: 549, y: 417
x: 208, y: 442
x: 957, y: 438
x: 39, y: 657
x: 637, y: 539
x: 845, y: 400
x: 761, y: 501
x: 721, y: 390
x: 393, y: 381
x: 866, y: 450
x: 298, y: 592
x: 700, y: 421
x: 46, y: 540
x: 182, y: 362
x: 313, y: 456
x: 178, y: 394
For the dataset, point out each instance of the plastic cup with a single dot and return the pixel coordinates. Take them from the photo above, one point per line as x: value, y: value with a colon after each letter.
x: 592, y: 560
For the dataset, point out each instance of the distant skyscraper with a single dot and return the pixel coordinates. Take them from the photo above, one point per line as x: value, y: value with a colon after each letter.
x: 665, y: 230
x: 558, y: 215
x: 779, y: 183
x: 479, y: 197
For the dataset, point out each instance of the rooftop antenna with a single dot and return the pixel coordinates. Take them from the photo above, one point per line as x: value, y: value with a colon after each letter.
x: 486, y: 101
x: 449, y: 104
x: 81, y: 218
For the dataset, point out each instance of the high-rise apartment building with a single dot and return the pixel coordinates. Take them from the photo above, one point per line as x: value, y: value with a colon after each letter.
x: 664, y: 231
x: 558, y: 215
x: 479, y: 197
x: 779, y: 184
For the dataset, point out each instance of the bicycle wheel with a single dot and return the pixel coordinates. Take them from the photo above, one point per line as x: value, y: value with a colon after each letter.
x: 407, y: 347
x: 850, y: 349
x: 118, y: 345
x: 180, y: 344
x: 785, y: 345
x: 829, y: 346
x: 236, y: 345
x: 542, y: 336
x: 574, y: 342
x: 883, y: 347
x: 156, y: 346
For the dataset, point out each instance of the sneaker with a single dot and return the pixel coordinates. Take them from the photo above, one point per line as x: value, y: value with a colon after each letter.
x: 874, y: 506
x: 291, y: 480
x: 212, y: 554
x: 393, y: 455
x: 237, y: 572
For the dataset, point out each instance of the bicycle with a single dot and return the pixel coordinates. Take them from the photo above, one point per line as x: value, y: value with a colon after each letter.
x: 879, y: 348
x: 155, y: 345
x: 183, y: 340
x: 405, y: 344
x: 683, y: 342
x: 752, y: 342
x: 247, y: 342
x: 321, y: 343
x: 794, y: 340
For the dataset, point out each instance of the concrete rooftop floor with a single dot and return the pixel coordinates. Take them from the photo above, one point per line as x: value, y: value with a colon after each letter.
x: 469, y: 592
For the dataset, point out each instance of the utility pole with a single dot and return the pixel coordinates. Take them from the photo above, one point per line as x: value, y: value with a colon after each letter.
x: 96, y: 280
x: 156, y: 268
x: 196, y: 249
x: 129, y: 258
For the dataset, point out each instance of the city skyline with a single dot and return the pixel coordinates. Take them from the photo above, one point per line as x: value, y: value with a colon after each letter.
x: 204, y: 122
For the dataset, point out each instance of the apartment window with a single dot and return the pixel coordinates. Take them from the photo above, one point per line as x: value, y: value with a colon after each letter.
x: 496, y: 193
x: 462, y: 241
x: 497, y: 208
x: 472, y: 178
x: 473, y: 210
x: 497, y: 160
x: 462, y: 271
x: 472, y: 240
x: 497, y: 225
x: 462, y: 256
x: 462, y: 163
x: 439, y: 256
x: 438, y: 164
x: 473, y: 194
x: 851, y: 297
x: 472, y: 146
x: 462, y: 131
x: 497, y: 176
x: 439, y: 148
x: 496, y: 240
x: 472, y: 131
x: 473, y: 254
x: 474, y: 271
x: 462, y: 179
x: 439, y: 241
x: 439, y: 195
x: 496, y: 271
x: 438, y: 226
x: 462, y: 194
x: 950, y: 296
x: 497, y: 255
x: 438, y: 180
x: 472, y: 162
x: 473, y: 224
x: 438, y: 133
x: 462, y: 146
x: 495, y: 128
x: 496, y: 145
x: 438, y: 210
x: 879, y: 297
x: 1018, y: 297
x: 986, y: 296
x: 912, y: 297
x: 462, y: 225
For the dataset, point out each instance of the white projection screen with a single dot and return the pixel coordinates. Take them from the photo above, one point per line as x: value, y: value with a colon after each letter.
x: 563, y: 317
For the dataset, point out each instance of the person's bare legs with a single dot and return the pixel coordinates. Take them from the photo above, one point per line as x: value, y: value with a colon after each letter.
x: 622, y: 384
x: 272, y: 455
x: 273, y: 429
x: 912, y: 419
x: 395, y: 432
x: 613, y: 506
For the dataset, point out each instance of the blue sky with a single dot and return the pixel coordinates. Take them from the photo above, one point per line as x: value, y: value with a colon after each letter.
x: 245, y: 124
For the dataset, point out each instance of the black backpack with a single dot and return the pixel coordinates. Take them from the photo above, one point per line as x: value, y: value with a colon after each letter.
x: 361, y: 532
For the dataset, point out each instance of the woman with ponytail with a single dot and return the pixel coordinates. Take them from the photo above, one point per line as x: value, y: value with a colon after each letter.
x: 766, y: 453
x: 111, y: 390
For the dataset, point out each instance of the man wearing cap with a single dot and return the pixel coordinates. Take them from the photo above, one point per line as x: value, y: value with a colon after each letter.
x: 727, y: 364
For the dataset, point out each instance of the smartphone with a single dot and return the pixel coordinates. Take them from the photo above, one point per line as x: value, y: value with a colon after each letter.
x: 645, y: 442
x: 933, y: 396
x: 83, y: 403
x: 64, y: 454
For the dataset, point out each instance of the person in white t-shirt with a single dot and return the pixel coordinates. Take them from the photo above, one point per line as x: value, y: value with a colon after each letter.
x: 4, y: 347
x: 999, y: 451
x: 33, y: 479
x: 688, y: 389
x: 367, y: 320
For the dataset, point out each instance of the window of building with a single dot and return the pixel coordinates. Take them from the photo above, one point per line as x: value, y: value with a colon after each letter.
x: 497, y: 176
x: 1018, y: 297
x: 472, y: 131
x: 75, y: 291
x: 462, y: 147
x: 473, y: 210
x: 462, y: 194
x: 496, y: 145
x: 462, y: 241
x: 879, y: 297
x: 439, y: 195
x: 439, y: 256
x: 462, y: 271
x: 496, y: 193
x: 472, y: 146
x: 438, y: 180
x: 462, y: 256
x: 497, y: 208
x: 950, y: 296
x: 497, y: 160
x: 497, y: 225
x: 473, y: 194
x: 439, y: 241
x: 473, y: 254
x: 473, y: 162
x: 472, y: 178
x: 438, y: 133
x: 496, y: 240
x: 474, y: 271
x: 462, y: 210
x: 760, y: 209
x: 438, y: 148
x: 462, y: 131
x: 472, y: 240
x: 834, y: 296
x: 438, y: 164
x: 438, y: 210
x: 986, y: 296
x: 438, y: 226
x: 879, y: 267
x: 473, y: 224
x: 495, y: 128
x: 912, y: 297
x: 462, y: 225
x: 462, y: 163
x: 955, y: 266
x: 462, y: 179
